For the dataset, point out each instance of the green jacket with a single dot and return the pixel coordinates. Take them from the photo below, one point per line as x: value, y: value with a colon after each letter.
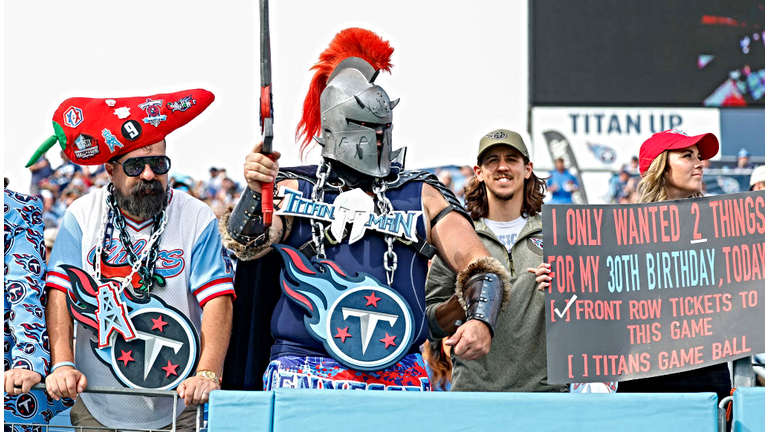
x: 518, y: 357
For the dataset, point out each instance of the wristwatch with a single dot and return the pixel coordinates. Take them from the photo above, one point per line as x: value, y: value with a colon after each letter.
x: 208, y: 374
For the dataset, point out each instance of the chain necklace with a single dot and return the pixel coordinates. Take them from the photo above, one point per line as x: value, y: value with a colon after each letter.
x: 383, y: 205
x: 318, y: 194
x: 144, y: 264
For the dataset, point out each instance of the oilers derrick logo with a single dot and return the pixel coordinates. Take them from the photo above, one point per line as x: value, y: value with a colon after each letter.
x: 363, y: 324
x: 147, y: 344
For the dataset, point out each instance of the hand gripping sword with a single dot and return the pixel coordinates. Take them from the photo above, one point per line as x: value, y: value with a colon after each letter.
x: 266, y: 112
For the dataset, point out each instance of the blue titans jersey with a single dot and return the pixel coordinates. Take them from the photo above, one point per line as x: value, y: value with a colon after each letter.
x: 365, y: 255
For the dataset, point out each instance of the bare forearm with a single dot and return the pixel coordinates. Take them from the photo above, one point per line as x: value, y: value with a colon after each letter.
x: 60, y: 327
x: 457, y: 242
x: 214, y: 334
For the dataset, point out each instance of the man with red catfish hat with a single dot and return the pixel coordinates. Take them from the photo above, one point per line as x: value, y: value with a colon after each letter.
x: 354, y: 237
x: 135, y: 264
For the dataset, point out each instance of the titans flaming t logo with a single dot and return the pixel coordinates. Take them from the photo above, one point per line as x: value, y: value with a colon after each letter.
x: 147, y: 344
x: 363, y: 324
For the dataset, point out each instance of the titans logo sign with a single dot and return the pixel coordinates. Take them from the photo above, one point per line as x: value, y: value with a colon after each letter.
x: 147, y: 344
x: 25, y: 405
x: 363, y: 324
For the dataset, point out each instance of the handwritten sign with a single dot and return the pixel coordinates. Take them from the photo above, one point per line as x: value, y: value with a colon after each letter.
x: 644, y: 290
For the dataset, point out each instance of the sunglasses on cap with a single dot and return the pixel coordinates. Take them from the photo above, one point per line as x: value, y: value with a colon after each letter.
x: 135, y: 166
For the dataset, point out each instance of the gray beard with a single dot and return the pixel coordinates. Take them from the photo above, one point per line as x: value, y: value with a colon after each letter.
x: 145, y: 200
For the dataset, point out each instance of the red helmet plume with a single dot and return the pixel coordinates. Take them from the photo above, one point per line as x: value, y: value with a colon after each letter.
x: 351, y: 42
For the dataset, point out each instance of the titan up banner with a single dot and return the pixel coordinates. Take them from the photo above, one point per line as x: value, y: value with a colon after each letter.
x: 595, y: 142
x: 644, y: 290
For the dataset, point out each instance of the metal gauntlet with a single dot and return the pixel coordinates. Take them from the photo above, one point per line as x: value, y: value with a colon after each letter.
x: 246, y: 224
x: 483, y: 294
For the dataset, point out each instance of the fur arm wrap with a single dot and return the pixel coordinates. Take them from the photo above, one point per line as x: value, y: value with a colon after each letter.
x: 482, y: 289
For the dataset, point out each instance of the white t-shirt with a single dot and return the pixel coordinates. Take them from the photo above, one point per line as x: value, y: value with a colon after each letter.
x: 507, y: 231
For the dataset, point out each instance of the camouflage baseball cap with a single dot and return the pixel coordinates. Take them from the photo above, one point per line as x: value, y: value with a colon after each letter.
x: 504, y: 137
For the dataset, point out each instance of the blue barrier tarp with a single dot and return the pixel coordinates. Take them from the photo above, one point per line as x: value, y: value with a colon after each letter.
x: 749, y: 409
x: 339, y: 411
x: 240, y: 411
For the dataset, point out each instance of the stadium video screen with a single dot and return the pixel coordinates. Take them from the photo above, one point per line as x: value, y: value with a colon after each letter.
x: 648, y: 52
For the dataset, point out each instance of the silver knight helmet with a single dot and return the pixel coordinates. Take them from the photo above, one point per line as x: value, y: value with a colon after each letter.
x: 354, y: 111
x: 345, y: 111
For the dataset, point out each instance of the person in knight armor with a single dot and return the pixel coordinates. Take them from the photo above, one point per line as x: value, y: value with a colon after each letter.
x: 26, y: 355
x: 352, y: 238
x: 141, y: 270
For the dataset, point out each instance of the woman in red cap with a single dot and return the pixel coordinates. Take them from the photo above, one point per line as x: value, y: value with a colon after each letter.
x: 671, y: 165
x: 671, y: 168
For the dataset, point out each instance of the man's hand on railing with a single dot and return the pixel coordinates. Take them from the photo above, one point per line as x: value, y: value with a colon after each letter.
x: 195, y: 389
x: 65, y: 381
x: 18, y: 381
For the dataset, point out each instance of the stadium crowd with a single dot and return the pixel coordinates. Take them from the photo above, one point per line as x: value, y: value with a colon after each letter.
x: 59, y: 187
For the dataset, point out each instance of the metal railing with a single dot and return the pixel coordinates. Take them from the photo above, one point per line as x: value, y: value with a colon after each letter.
x: 199, y: 421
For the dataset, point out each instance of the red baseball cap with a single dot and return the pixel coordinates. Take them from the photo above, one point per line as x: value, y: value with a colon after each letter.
x: 92, y: 131
x: 674, y: 139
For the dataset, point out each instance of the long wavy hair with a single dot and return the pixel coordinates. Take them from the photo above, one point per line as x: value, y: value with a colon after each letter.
x: 476, y: 195
x: 439, y: 363
x: 653, y: 186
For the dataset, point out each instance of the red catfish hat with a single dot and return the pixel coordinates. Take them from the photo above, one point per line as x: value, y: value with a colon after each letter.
x: 92, y: 131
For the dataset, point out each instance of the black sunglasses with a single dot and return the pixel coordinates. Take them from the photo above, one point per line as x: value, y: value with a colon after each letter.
x: 135, y: 166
